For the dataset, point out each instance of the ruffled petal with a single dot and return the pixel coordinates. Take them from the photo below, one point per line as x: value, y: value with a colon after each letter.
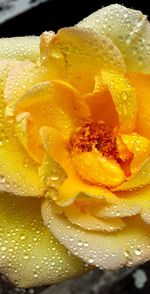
x: 20, y: 48
x: 74, y: 187
x: 141, y: 83
x: 61, y: 106
x: 124, y: 98
x: 139, y: 147
x: 18, y: 173
x: 98, y: 169
x: 22, y: 77
x: 87, y: 221
x: 128, y: 246
x: 98, y: 103
x: 141, y: 178
x: 84, y: 53
x: 29, y: 254
x: 128, y: 29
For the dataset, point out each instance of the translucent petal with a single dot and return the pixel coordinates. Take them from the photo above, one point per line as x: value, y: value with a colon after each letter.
x: 124, y: 98
x: 29, y: 254
x: 84, y: 53
x: 128, y: 29
x: 128, y: 246
x: 20, y: 48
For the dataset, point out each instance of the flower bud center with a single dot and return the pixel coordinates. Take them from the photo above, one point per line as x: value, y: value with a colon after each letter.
x: 95, y: 135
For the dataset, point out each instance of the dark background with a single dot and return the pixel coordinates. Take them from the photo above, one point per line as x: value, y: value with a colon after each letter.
x: 59, y: 13
x: 53, y: 15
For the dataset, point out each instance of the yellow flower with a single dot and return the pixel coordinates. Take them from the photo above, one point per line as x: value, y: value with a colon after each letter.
x: 75, y: 140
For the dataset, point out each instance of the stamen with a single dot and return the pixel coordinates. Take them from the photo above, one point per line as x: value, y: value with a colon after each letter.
x: 95, y: 135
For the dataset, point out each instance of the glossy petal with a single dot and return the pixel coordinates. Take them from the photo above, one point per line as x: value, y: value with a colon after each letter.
x: 56, y: 100
x: 141, y: 178
x: 18, y: 173
x: 74, y: 187
x: 84, y: 53
x: 124, y: 98
x: 29, y: 254
x: 128, y: 29
x: 107, y: 251
x: 20, y: 48
x: 90, y: 222
x: 139, y: 147
x: 98, y: 169
x: 22, y: 77
x: 141, y: 83
x: 98, y: 103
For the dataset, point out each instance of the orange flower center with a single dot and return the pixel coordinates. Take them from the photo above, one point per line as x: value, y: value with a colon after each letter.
x: 95, y: 135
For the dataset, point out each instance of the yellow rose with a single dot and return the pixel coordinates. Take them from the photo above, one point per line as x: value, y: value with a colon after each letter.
x: 75, y: 135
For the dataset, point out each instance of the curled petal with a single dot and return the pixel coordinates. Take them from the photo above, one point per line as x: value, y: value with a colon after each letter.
x: 124, y: 98
x: 141, y: 83
x: 98, y: 103
x: 84, y: 53
x: 73, y: 187
x: 141, y: 178
x: 98, y: 169
x: 91, y: 222
x: 18, y: 173
x: 30, y: 255
x: 128, y: 29
x: 139, y: 147
x: 108, y: 251
x: 56, y: 100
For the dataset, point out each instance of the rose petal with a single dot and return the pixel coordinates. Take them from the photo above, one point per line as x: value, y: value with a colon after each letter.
x: 56, y: 100
x: 140, y: 147
x: 29, y: 254
x: 20, y: 48
x: 98, y: 169
x: 28, y: 134
x: 124, y: 98
x: 141, y: 178
x: 141, y: 83
x: 84, y: 53
x: 128, y: 29
x: 21, y: 78
x: 90, y: 222
x: 18, y: 173
x: 74, y: 186
x: 98, y: 104
x: 129, y: 246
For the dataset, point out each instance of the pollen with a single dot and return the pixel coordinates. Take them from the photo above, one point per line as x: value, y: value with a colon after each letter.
x: 95, y: 135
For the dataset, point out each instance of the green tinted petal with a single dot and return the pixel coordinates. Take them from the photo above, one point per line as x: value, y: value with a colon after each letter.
x: 128, y: 29
x: 20, y: 48
x: 29, y: 254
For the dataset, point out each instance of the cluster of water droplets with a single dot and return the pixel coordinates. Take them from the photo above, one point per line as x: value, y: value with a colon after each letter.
x: 29, y: 254
x: 128, y: 29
